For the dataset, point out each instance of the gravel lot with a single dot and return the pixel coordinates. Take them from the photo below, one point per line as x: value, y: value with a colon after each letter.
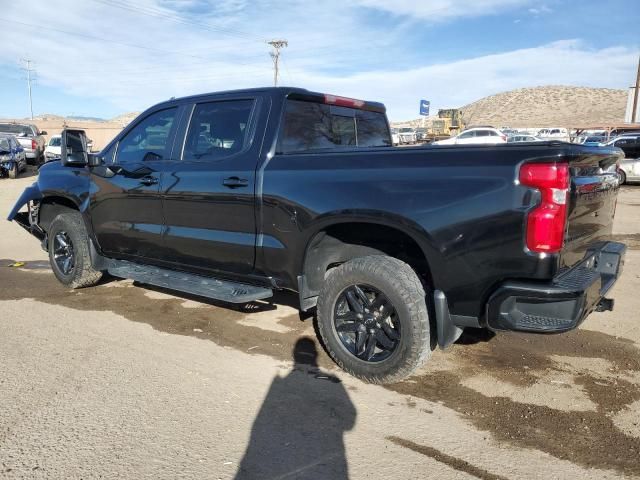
x: 125, y: 381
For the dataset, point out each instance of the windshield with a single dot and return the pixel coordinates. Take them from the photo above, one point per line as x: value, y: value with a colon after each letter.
x: 406, y: 130
x: 55, y: 142
x: 23, y: 130
x: 594, y: 139
x: 4, y: 145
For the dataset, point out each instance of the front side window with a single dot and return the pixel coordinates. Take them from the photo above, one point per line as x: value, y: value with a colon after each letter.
x: 313, y: 126
x: 149, y: 139
x: 218, y: 130
x: 467, y: 135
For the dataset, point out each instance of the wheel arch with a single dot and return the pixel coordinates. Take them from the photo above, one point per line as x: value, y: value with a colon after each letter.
x: 338, y: 240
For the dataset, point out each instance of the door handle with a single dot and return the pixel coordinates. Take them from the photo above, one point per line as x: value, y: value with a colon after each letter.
x: 148, y: 181
x: 235, y: 182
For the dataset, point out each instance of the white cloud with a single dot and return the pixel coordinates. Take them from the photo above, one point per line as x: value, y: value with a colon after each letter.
x: 439, y: 10
x: 458, y: 83
x: 540, y: 10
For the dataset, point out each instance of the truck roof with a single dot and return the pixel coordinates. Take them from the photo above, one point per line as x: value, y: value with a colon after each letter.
x: 276, y: 91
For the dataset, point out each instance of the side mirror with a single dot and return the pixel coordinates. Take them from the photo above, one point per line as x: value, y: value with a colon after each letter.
x: 73, y: 148
x: 43, y: 132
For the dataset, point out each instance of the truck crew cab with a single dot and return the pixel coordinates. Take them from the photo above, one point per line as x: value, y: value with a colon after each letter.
x: 236, y: 194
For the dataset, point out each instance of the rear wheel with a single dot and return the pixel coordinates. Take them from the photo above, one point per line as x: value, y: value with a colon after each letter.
x: 373, y: 319
x: 69, y: 251
x: 623, y: 177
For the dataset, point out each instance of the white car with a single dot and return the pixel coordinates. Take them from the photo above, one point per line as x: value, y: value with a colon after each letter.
x: 554, y: 133
x: 407, y: 135
x: 523, y: 138
x: 476, y: 136
x: 52, y: 150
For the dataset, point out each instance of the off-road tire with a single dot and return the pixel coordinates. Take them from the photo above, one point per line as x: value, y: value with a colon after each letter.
x: 13, y: 171
x: 403, y: 288
x: 83, y: 273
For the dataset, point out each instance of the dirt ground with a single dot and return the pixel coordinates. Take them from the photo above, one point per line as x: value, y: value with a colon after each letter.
x: 120, y: 380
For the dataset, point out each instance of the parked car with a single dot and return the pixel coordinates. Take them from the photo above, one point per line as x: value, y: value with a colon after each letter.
x: 52, y: 151
x: 395, y: 138
x: 31, y: 139
x: 629, y: 168
x: 236, y: 194
x: 561, y: 134
x: 12, y: 156
x: 421, y: 135
x: 478, y: 135
x: 522, y: 138
x: 594, y: 141
x: 407, y: 136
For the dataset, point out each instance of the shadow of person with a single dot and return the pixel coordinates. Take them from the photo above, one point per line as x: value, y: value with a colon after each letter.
x: 298, y: 433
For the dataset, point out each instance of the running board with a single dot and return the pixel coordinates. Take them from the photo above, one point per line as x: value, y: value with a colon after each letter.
x: 214, y: 288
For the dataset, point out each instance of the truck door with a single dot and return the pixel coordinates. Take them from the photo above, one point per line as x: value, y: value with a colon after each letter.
x: 209, y: 193
x: 126, y: 207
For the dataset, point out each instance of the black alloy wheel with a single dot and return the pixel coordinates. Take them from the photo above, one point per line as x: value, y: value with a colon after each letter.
x: 63, y: 253
x: 366, y: 323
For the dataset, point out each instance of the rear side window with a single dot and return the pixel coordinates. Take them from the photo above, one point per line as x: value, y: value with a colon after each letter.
x: 313, y: 126
x: 218, y: 130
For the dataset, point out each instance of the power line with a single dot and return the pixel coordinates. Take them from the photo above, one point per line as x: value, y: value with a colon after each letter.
x: 275, y: 55
x: 155, y: 12
x: 93, y: 37
x: 27, y: 68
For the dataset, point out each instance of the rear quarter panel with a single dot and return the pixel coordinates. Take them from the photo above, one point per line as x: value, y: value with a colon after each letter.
x: 462, y: 205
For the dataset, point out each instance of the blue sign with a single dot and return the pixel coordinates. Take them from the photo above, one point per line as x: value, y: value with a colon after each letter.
x: 424, y: 107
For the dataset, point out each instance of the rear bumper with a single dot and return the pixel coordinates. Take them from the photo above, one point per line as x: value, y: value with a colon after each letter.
x: 563, y: 303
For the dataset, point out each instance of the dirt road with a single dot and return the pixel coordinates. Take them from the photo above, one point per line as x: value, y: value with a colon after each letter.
x: 124, y: 381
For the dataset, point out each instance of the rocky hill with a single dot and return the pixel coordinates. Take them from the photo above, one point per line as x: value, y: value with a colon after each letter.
x: 553, y: 106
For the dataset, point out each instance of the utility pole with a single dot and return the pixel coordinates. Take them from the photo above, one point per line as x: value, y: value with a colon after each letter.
x: 275, y: 56
x: 636, y: 94
x: 27, y: 68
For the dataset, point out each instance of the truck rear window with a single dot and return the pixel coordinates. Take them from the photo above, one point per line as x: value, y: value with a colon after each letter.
x: 316, y: 126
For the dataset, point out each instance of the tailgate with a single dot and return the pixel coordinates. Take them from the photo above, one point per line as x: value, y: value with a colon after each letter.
x: 25, y: 142
x: 592, y: 200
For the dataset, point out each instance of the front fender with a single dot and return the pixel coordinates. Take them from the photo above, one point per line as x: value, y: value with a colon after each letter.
x: 30, y: 193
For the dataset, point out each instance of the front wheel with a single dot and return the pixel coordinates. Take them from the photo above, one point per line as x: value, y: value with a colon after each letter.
x: 373, y: 319
x: 69, y: 251
x: 13, y: 171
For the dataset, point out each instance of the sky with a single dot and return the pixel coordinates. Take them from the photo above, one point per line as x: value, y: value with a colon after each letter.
x: 102, y: 58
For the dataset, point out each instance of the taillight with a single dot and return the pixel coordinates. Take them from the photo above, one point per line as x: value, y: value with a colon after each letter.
x: 547, y: 221
x: 34, y: 144
x: 343, y: 101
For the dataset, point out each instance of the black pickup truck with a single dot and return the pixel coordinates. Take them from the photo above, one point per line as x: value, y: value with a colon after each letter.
x: 236, y: 194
